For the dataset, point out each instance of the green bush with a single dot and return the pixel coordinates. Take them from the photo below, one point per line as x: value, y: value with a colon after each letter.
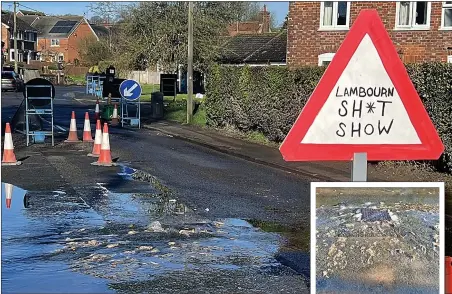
x: 269, y: 99
x: 53, y: 66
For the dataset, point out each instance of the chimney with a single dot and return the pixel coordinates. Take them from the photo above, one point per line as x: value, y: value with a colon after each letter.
x: 265, y: 18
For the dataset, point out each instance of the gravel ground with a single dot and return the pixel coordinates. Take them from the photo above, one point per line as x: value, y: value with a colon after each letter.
x: 392, y: 242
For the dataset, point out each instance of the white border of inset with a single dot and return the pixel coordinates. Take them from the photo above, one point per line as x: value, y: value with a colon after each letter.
x: 315, y: 185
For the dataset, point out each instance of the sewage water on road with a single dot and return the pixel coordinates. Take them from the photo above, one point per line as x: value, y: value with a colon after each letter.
x: 132, y: 243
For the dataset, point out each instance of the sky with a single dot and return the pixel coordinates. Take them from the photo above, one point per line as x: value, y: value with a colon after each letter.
x: 279, y: 9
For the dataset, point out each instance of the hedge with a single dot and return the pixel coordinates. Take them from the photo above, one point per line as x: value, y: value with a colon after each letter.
x: 269, y: 99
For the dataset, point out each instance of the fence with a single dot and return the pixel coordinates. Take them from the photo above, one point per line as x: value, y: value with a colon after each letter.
x: 75, y: 70
x: 144, y: 77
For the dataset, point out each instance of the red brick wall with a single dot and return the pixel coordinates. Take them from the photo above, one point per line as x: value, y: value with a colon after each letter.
x: 305, y: 42
x: 44, y: 46
x: 5, y: 36
x: 83, y: 31
x: 68, y: 46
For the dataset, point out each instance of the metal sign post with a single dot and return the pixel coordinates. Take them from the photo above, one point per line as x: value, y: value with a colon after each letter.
x: 359, y: 167
x: 130, y: 91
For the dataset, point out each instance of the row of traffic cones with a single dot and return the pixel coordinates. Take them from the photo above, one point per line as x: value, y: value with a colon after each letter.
x: 101, y: 141
x: 101, y: 147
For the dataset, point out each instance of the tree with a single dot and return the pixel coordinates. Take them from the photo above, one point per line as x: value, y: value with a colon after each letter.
x: 91, y: 51
x: 107, y: 11
x: 284, y: 25
x: 97, y: 20
x: 156, y: 32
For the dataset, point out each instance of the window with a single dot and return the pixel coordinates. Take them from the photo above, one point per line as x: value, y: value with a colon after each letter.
x: 413, y: 15
x: 446, y: 18
x: 55, y: 42
x: 449, y: 59
x: 325, y: 59
x: 334, y: 15
x: 60, y: 58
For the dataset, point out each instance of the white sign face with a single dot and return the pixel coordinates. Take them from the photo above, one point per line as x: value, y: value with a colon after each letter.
x: 364, y: 106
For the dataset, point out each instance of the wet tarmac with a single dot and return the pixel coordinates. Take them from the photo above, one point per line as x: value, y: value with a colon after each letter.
x: 103, y: 241
x: 385, y: 246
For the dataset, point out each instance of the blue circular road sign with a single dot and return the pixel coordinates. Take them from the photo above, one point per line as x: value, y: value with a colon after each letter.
x: 130, y: 90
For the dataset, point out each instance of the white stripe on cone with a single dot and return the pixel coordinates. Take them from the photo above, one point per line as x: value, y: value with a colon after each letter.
x: 105, y: 142
x: 87, y: 126
x: 98, y: 137
x: 97, y: 107
x: 73, y: 126
x: 8, y: 190
x: 8, y: 142
x: 115, y: 112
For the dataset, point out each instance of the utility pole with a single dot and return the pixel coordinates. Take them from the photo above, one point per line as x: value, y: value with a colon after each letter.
x: 16, y: 55
x: 190, y: 64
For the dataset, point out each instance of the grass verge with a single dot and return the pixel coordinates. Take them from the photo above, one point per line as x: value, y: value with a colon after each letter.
x: 76, y: 79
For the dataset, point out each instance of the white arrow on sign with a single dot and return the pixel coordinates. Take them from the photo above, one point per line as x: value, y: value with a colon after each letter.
x: 129, y: 92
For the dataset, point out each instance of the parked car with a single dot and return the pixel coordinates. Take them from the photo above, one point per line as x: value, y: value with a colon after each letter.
x: 11, y: 82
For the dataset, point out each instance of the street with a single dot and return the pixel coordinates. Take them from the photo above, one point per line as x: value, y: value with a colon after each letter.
x: 172, y: 216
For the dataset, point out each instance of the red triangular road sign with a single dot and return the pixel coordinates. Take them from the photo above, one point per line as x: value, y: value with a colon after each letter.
x: 364, y: 102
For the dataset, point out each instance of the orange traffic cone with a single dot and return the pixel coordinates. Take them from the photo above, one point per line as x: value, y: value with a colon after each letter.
x: 105, y: 154
x: 448, y: 270
x: 96, y: 111
x: 9, y: 158
x: 72, y: 130
x: 87, y: 129
x: 114, y: 118
x: 9, y: 194
x: 97, y: 141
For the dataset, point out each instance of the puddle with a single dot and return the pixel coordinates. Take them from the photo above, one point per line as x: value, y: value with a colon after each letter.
x: 126, y: 172
x: 132, y: 242
x: 27, y: 235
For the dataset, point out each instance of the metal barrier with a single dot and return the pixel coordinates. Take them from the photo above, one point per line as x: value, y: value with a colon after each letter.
x: 133, y: 120
x: 45, y: 104
x: 94, y: 85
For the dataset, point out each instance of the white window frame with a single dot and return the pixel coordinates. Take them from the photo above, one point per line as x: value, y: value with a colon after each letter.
x: 412, y: 25
x: 61, y: 55
x: 57, y: 42
x: 20, y: 57
x: 325, y: 57
x: 443, y: 16
x: 334, y: 26
x: 449, y: 59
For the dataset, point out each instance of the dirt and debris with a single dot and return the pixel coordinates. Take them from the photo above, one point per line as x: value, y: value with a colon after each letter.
x: 394, y: 242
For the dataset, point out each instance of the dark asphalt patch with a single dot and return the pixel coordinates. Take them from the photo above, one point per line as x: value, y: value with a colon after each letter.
x: 373, y: 215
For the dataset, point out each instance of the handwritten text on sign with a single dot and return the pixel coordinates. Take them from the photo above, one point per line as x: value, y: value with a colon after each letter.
x: 357, y: 107
x: 364, y: 107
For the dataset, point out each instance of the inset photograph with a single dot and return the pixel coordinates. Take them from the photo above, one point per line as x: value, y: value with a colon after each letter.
x: 372, y: 238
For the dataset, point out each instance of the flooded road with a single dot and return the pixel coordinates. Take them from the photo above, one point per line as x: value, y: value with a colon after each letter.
x: 106, y: 242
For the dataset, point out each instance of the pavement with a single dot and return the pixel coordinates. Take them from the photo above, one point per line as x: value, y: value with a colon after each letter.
x: 258, y: 153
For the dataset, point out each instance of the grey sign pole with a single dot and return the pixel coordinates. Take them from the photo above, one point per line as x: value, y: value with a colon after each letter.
x: 359, y: 167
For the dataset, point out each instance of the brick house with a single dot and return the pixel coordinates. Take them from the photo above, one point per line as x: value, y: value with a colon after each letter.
x: 421, y: 31
x: 26, y: 39
x: 59, y: 37
x: 260, y: 26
